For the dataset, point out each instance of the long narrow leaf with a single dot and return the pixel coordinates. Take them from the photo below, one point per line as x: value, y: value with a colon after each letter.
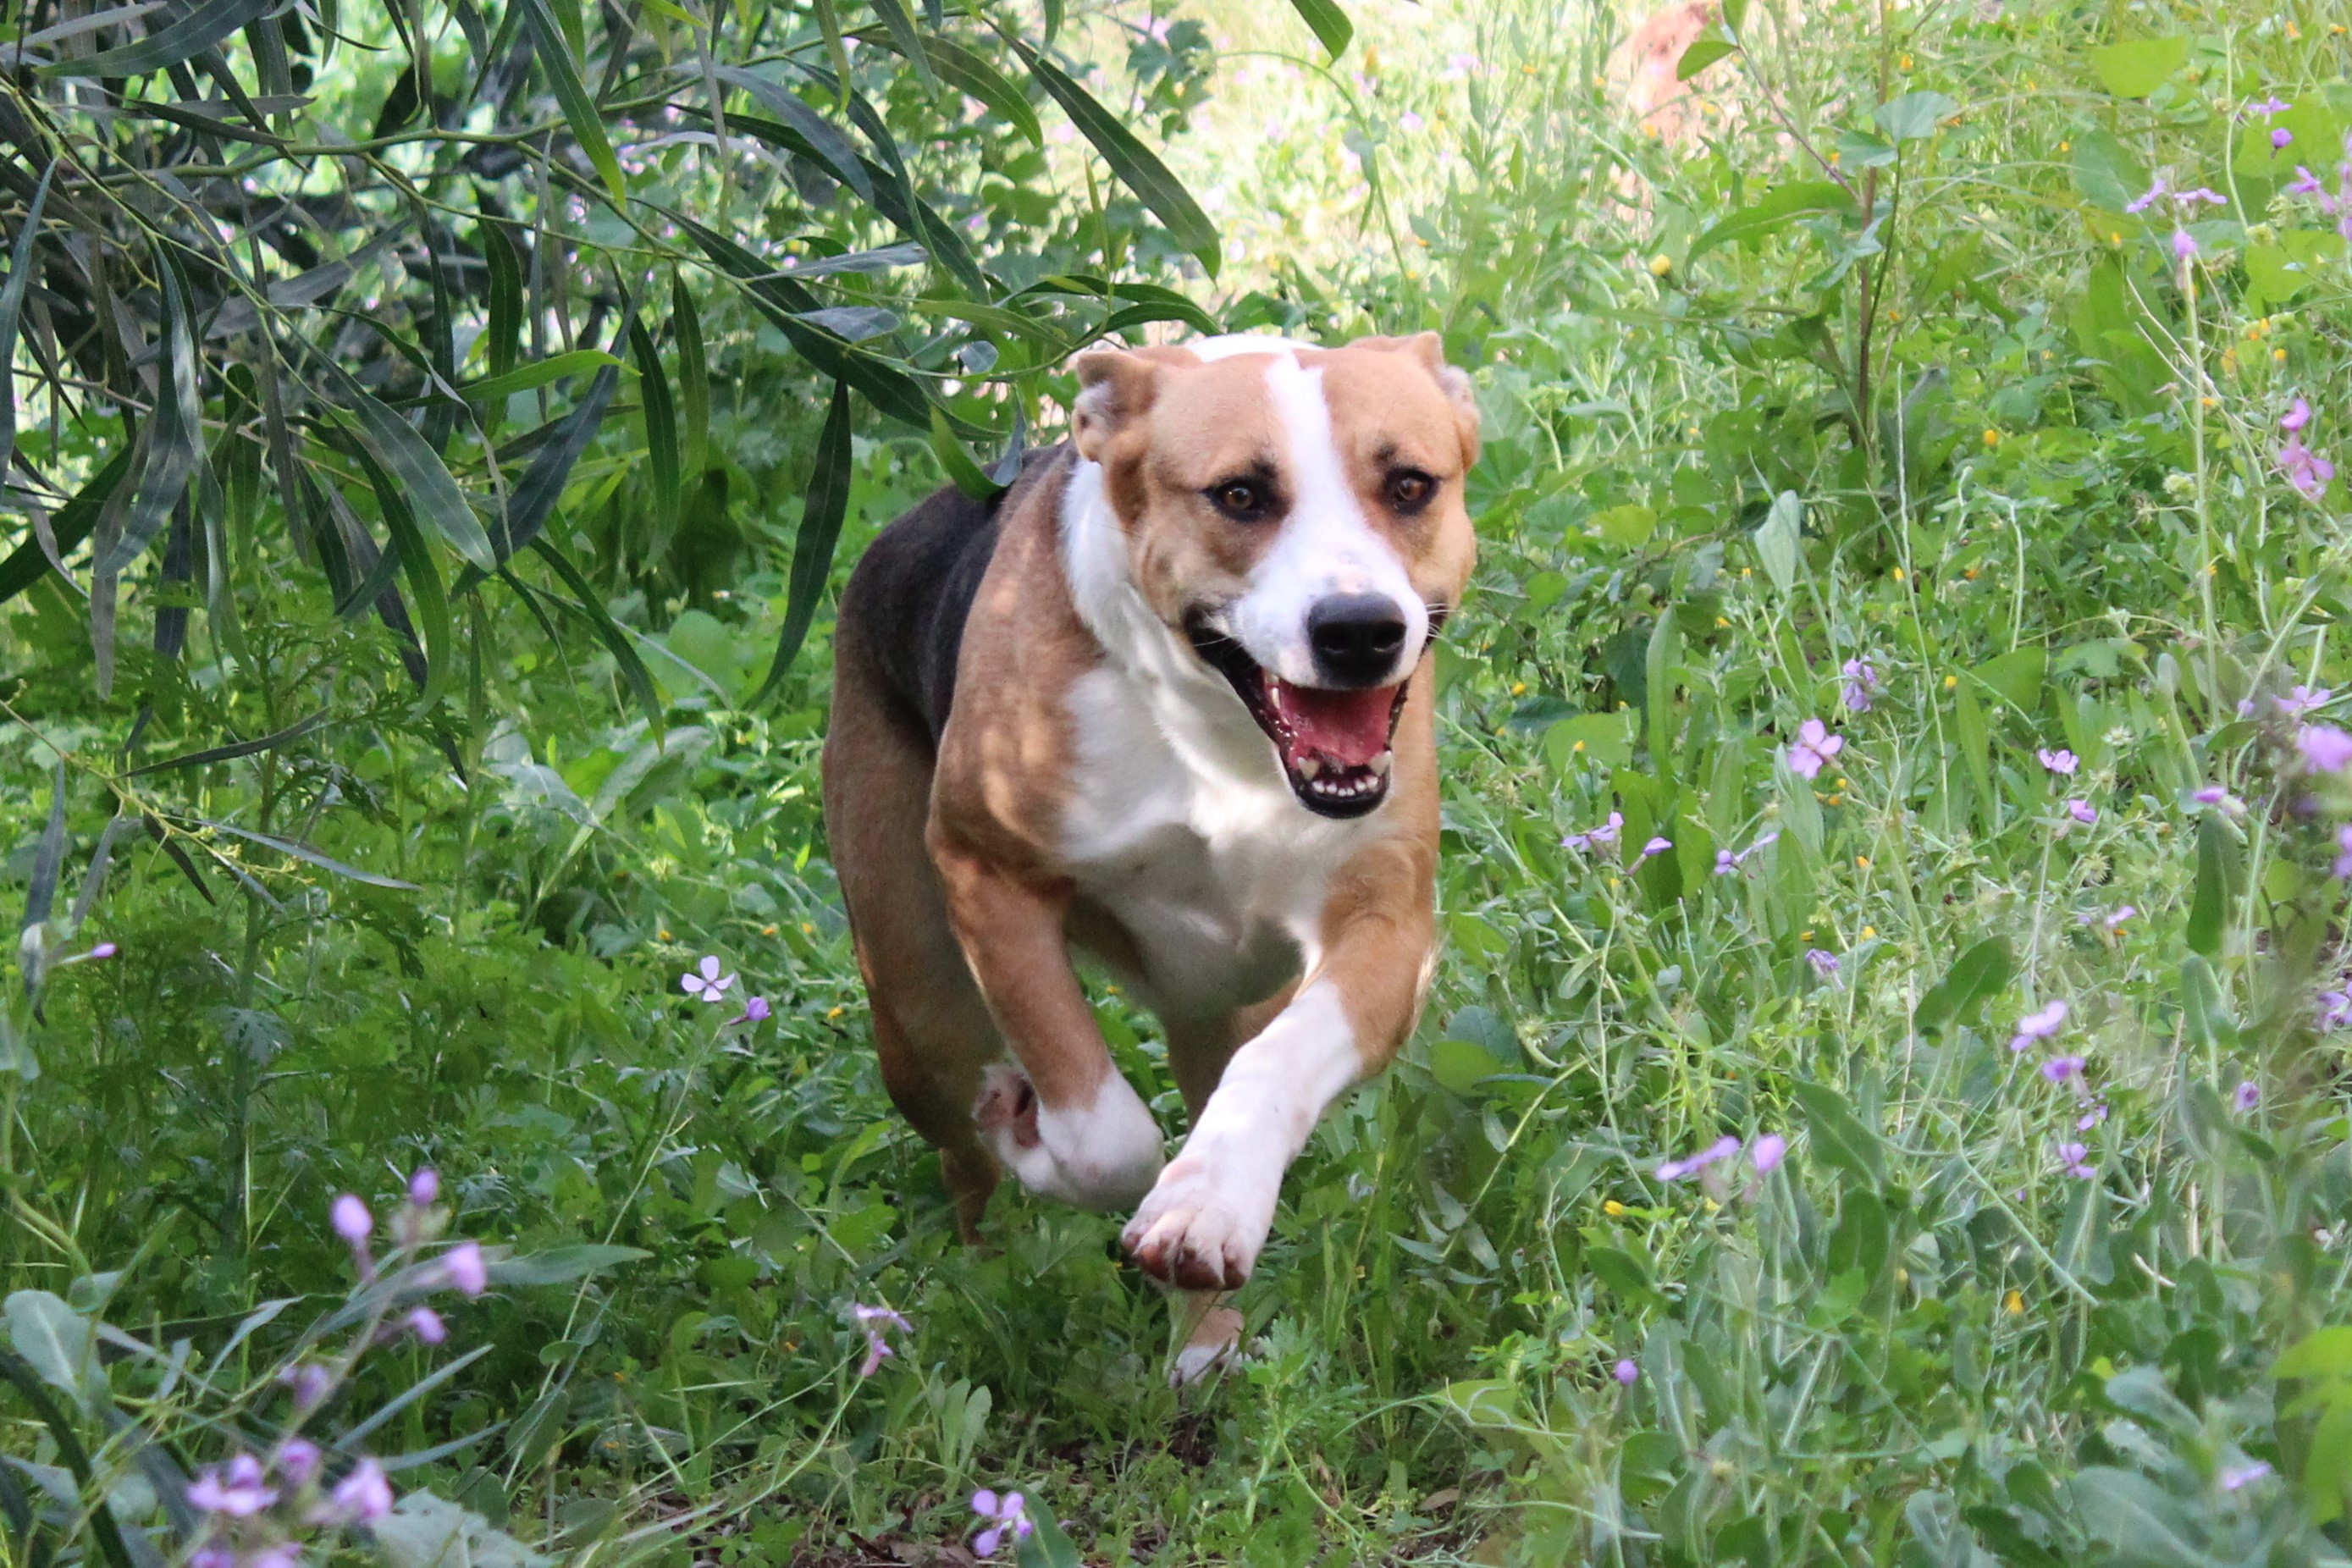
x: 11, y: 301
x: 571, y: 93
x: 969, y: 71
x: 660, y: 418
x: 48, y: 861
x: 539, y: 372
x: 693, y: 375
x: 179, y: 857
x: 200, y: 29
x: 908, y: 41
x: 77, y: 1457
x: 423, y: 479
x: 424, y: 578
x: 318, y: 857
x: 176, y: 433
x: 826, y: 142
x: 269, y: 742
x: 616, y: 642
x: 812, y: 546
x: 95, y: 878
x: 1137, y: 167
x: 506, y: 294
x: 348, y: 1441
x: 1328, y: 23
x: 532, y: 501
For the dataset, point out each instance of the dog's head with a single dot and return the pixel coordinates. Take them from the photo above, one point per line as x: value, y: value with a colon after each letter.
x: 1296, y: 515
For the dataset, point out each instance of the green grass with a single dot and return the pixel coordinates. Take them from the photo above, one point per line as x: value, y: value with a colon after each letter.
x: 2056, y: 519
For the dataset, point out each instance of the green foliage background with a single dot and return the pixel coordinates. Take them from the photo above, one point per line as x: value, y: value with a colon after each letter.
x: 437, y: 415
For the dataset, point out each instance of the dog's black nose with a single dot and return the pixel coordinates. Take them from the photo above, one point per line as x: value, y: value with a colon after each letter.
x: 1356, y: 638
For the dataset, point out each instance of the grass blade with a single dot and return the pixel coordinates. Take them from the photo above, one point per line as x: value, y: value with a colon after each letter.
x: 191, y: 35
x: 423, y: 478
x: 571, y: 93
x: 1137, y: 167
x: 269, y: 742
x: 660, y: 418
x: 812, y: 546
x: 693, y: 375
x: 11, y: 303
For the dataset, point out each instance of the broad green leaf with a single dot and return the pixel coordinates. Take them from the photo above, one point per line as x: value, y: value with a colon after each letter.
x: 965, y: 474
x: 54, y: 1340
x: 1976, y: 975
x: 1915, y: 116
x: 199, y: 29
x: 812, y: 546
x: 2016, y: 676
x: 560, y: 1264
x: 2106, y: 171
x: 1044, y: 1546
x: 1779, y: 541
x: 1137, y: 167
x: 427, y: 1531
x: 1704, y: 51
x: 2208, y: 904
x: 1775, y: 210
x: 1839, y: 1138
x: 1328, y: 23
x: 2205, y: 1020
x: 1602, y: 740
x: 1491, y: 1404
x: 1461, y: 1066
x: 2138, y: 69
x: 580, y: 112
x: 1628, y: 527
x: 2323, y: 1352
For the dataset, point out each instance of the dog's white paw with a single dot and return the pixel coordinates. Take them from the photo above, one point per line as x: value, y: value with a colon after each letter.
x: 1103, y: 1156
x: 1202, y: 1225
x: 1213, y: 1346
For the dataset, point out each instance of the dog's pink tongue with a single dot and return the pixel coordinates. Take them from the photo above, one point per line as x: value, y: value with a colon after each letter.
x: 1350, y: 728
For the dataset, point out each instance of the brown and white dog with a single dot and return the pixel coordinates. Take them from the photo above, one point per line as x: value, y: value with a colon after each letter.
x: 1163, y: 701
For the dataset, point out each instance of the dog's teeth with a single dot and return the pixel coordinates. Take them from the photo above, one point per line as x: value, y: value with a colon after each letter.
x: 1310, y: 768
x: 1383, y: 763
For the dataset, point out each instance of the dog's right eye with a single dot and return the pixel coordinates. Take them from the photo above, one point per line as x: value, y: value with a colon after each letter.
x: 1244, y: 500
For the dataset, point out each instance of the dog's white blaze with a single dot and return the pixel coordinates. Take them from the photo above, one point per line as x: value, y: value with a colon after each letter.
x: 1178, y: 819
x: 1222, y: 1187
x: 1324, y: 545
x: 1101, y: 1156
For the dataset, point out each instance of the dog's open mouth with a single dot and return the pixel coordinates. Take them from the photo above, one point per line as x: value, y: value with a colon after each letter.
x: 1334, y: 744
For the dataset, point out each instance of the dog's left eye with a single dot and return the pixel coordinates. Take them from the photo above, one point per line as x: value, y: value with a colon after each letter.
x: 1244, y: 500
x: 1410, y: 489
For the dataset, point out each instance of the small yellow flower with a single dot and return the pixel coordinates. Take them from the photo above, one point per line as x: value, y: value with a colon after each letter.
x: 1869, y: 932
x: 1612, y: 1208
x: 1993, y: 438
x: 767, y: 930
x: 1898, y: 574
x: 1950, y: 682
x: 662, y: 935
x: 1804, y: 936
x: 1712, y: 1205
x: 1578, y: 747
x: 2210, y: 402
x: 1837, y: 800
x: 1660, y: 265
x: 1844, y: 783
x: 832, y: 1012
x: 1722, y: 620
x: 1111, y: 990
x: 2065, y: 146
x: 2014, y: 1303
x: 2293, y: 32
x: 1969, y: 572
x: 1863, y: 861
x: 1748, y: 570
x: 2278, y: 355
x: 1904, y: 64
x: 807, y: 929
x: 2114, y: 236
x: 1616, y: 881
x: 1519, y: 688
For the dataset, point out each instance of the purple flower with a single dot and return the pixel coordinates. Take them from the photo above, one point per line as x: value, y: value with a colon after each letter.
x: 2202, y: 194
x: 425, y: 1187
x: 464, y: 1266
x: 352, y: 1220
x: 212, y: 1557
x: 1725, y: 862
x: 2249, y: 1095
x: 1811, y: 751
x: 1768, y: 1152
x: 2076, y: 1160
x: 1409, y: 123
x: 277, y: 1554
x: 1626, y: 1373
x: 2343, y: 867
x: 1861, y: 680
x: 2297, y: 416
x: 1825, y: 964
x: 363, y: 1496
x: 1721, y: 1149
x: 2184, y: 245
x: 2142, y: 203
x: 755, y: 1009
x: 2334, y: 1007
x: 2271, y: 105
x: 2238, y: 1475
x: 2061, y: 760
x: 872, y: 1320
x: 426, y: 1325
x: 1005, y: 1517
x: 2326, y: 749
x: 2083, y: 811
x: 2306, y: 469
x: 1604, y: 833
x: 2038, y: 1025
x: 310, y: 1382
x: 102, y: 951
x: 240, y: 1491
x: 2305, y: 184
x: 1656, y: 846
x: 297, y: 1460
x: 2093, y: 1114
x: 2058, y: 1070
x: 705, y: 983
x: 2114, y: 919
x: 2281, y: 138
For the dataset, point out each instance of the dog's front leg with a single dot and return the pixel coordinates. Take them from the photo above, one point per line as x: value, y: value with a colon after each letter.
x: 1063, y: 1120
x: 1206, y: 1218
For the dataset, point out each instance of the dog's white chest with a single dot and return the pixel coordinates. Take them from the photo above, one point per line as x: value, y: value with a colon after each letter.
x: 1179, y: 827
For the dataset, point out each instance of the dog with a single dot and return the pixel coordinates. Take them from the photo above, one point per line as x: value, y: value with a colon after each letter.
x: 1166, y: 703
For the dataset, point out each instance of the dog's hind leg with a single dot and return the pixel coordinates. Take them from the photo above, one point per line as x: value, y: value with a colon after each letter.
x: 931, y: 1030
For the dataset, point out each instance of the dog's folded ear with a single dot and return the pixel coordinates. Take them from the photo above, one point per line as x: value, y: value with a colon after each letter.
x: 1115, y: 387
x: 1429, y: 348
